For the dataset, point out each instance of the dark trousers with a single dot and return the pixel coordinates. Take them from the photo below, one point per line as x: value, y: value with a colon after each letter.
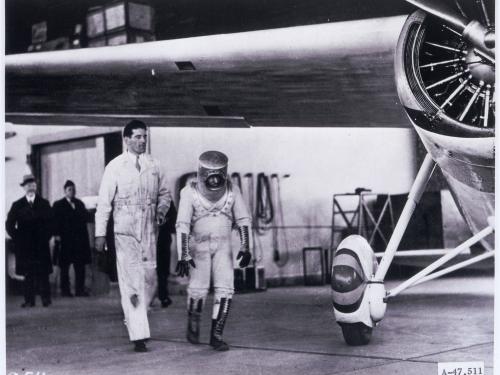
x: 36, y: 282
x: 162, y: 284
x: 163, y: 269
x: 79, y: 277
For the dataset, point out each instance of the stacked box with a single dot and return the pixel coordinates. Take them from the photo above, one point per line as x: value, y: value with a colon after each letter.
x: 120, y: 22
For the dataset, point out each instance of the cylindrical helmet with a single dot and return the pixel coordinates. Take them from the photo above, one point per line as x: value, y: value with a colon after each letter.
x: 212, y: 174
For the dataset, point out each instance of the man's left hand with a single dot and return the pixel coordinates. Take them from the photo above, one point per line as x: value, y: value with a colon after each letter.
x: 160, y: 219
x: 134, y: 300
x: 244, y: 257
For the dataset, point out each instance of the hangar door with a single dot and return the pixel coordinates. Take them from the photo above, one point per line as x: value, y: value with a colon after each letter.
x: 79, y: 160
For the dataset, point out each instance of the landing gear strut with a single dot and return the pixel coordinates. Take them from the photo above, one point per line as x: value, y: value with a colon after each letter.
x: 359, y: 296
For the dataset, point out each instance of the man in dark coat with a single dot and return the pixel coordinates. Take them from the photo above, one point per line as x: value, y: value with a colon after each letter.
x: 30, y: 225
x: 163, y: 255
x: 71, y: 217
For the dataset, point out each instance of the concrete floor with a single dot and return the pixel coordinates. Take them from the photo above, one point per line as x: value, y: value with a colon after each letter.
x: 287, y: 330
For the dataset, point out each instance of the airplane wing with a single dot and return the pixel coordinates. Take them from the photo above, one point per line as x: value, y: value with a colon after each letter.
x: 336, y: 75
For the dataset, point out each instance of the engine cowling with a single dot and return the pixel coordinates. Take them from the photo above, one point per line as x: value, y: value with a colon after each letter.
x: 445, y: 83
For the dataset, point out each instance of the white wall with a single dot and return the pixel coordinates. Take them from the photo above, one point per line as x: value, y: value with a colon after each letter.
x: 321, y: 162
x: 16, y: 149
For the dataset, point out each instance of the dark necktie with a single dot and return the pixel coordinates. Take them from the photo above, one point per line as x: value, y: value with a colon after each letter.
x: 137, y: 165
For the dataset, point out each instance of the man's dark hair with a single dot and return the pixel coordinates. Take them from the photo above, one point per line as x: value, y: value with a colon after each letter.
x: 134, y: 124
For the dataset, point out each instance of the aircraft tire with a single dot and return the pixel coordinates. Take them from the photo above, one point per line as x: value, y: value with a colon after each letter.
x: 356, y: 334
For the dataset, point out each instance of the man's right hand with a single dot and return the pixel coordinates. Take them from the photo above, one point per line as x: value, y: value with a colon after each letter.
x: 99, y: 243
x: 182, y: 268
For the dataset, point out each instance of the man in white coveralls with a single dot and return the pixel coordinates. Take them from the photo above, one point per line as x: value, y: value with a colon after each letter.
x: 209, y: 208
x: 134, y: 187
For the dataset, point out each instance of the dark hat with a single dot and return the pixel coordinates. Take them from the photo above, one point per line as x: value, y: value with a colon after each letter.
x: 27, y: 178
x: 69, y: 183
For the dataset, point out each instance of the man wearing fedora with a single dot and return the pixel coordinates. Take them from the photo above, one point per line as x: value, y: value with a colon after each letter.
x: 30, y: 225
x: 71, y: 217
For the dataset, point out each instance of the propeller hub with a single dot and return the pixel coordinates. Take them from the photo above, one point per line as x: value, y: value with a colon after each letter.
x: 480, y: 68
x: 478, y: 35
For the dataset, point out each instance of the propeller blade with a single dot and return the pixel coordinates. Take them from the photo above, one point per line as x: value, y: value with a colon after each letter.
x: 442, y: 10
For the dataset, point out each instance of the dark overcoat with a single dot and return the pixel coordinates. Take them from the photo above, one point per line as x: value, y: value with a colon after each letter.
x: 71, y: 226
x: 30, y: 228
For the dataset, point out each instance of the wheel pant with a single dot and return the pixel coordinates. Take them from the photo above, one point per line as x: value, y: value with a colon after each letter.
x: 219, y: 317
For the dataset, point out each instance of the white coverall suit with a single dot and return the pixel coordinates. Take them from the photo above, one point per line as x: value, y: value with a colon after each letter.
x: 136, y: 199
x: 209, y: 226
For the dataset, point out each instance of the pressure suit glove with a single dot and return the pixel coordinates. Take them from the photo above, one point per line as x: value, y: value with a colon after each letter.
x: 186, y: 261
x: 182, y: 268
x: 244, y: 256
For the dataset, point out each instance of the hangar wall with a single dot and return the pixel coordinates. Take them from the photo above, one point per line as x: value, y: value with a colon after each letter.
x: 320, y: 162
x: 16, y: 150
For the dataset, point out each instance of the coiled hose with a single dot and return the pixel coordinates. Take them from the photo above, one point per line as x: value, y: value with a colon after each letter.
x: 264, y: 211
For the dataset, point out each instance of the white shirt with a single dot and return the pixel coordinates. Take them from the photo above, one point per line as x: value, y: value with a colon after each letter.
x: 72, y: 204
x: 30, y: 198
x: 133, y: 158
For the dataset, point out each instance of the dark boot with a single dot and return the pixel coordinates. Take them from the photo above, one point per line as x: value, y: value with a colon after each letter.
x: 218, y: 324
x: 166, y: 302
x: 195, y: 308
x: 140, y: 346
